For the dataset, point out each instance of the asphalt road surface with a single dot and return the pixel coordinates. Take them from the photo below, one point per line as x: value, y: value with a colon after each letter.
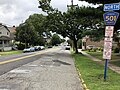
x: 10, y: 62
x: 50, y: 69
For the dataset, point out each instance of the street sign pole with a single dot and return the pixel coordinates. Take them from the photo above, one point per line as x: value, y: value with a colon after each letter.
x: 105, y: 69
x: 107, y: 47
x: 110, y: 19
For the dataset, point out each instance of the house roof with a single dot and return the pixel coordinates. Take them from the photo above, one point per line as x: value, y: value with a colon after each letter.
x: 5, y: 38
x: 12, y: 29
x: 1, y: 25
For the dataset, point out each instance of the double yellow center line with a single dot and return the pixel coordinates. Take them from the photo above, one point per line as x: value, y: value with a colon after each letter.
x: 16, y: 59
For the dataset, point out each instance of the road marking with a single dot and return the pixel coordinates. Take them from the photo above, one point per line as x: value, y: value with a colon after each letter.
x: 17, y: 59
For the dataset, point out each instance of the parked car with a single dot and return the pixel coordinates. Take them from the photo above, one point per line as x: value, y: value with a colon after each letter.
x: 91, y: 47
x: 50, y: 46
x: 67, y: 47
x: 37, y: 48
x: 29, y: 49
x: 42, y: 47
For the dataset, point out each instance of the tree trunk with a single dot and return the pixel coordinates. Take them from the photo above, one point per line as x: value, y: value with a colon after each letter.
x: 75, y: 45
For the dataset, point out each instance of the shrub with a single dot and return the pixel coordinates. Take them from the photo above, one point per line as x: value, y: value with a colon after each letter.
x: 21, y: 46
x: 116, y: 50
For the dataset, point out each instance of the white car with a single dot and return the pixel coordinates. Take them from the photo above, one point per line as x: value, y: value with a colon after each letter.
x: 42, y: 47
x: 91, y: 46
x: 67, y: 47
x: 37, y: 48
x: 30, y: 49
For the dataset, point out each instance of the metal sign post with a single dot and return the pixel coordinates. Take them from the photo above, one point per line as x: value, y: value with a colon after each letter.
x: 107, y: 47
x: 110, y: 19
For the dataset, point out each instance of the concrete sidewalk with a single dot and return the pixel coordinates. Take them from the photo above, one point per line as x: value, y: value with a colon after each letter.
x: 111, y: 66
x: 53, y: 71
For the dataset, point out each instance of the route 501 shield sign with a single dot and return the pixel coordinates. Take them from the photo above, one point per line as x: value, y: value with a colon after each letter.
x: 110, y: 18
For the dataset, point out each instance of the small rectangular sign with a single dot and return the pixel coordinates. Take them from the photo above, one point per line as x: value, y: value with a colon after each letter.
x: 109, y: 31
x: 111, y: 7
x: 107, y: 48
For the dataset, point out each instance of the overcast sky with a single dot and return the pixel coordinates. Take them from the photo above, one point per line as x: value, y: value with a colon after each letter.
x: 14, y: 12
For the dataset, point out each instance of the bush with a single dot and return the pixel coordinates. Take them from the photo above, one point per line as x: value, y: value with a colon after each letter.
x: 21, y: 46
x: 116, y: 50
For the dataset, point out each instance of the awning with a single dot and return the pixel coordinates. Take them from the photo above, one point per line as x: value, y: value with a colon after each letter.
x: 5, y: 38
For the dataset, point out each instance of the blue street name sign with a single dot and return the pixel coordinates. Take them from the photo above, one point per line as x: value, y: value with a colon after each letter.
x: 111, y: 7
x: 110, y: 18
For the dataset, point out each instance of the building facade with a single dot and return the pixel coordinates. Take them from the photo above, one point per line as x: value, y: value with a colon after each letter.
x: 5, y: 38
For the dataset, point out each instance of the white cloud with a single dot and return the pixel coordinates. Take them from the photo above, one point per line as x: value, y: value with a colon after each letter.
x: 13, y: 12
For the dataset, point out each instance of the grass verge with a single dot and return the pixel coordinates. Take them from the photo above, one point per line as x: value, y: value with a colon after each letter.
x: 10, y: 52
x: 115, y: 57
x: 92, y: 73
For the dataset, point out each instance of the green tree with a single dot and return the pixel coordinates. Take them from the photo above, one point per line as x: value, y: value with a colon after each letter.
x: 25, y: 33
x: 74, y: 23
x: 101, y: 1
x: 37, y: 21
x: 35, y: 25
x: 117, y: 25
x: 55, y: 40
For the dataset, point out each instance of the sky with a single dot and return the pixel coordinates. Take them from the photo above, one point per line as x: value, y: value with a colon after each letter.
x: 14, y: 12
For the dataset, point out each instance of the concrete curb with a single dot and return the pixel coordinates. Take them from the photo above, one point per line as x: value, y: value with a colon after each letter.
x: 83, y: 82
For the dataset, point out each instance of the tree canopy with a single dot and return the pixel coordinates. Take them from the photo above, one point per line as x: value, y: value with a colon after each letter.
x: 73, y: 23
x: 33, y: 30
x: 55, y: 39
x: 101, y: 1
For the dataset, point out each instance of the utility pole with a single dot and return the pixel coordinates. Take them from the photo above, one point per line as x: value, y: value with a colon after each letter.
x: 72, y: 5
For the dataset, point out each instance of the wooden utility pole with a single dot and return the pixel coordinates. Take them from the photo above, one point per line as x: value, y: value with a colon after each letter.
x: 72, y: 5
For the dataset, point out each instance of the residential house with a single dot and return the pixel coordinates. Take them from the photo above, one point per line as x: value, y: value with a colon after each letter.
x: 87, y: 41
x: 5, y: 38
x: 12, y: 33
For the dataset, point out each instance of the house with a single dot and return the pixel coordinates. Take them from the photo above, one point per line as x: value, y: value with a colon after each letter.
x: 5, y: 38
x: 12, y: 33
x: 87, y: 41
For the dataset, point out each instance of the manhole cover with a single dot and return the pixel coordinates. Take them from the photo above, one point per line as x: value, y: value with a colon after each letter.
x: 20, y: 71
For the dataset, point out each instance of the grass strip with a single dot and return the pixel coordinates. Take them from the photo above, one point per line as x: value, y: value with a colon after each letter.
x: 92, y: 74
x: 10, y: 52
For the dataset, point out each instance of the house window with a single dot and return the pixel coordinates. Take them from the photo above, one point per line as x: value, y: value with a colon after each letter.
x: 0, y: 32
x: 7, y: 33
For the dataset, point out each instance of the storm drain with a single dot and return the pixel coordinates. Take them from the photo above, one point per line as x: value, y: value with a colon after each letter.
x: 20, y: 71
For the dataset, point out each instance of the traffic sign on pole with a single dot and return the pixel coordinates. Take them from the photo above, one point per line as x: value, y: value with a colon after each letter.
x: 110, y: 18
x: 107, y: 48
x: 109, y: 31
x: 111, y: 7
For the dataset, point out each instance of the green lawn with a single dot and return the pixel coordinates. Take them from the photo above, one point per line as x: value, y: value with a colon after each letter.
x: 92, y: 73
x: 115, y: 57
x: 117, y: 63
x: 10, y: 52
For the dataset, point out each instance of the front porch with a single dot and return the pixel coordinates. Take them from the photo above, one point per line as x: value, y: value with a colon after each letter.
x: 5, y: 43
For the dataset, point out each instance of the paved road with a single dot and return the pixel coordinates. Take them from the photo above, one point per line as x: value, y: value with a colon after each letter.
x: 53, y: 70
x: 10, y: 62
